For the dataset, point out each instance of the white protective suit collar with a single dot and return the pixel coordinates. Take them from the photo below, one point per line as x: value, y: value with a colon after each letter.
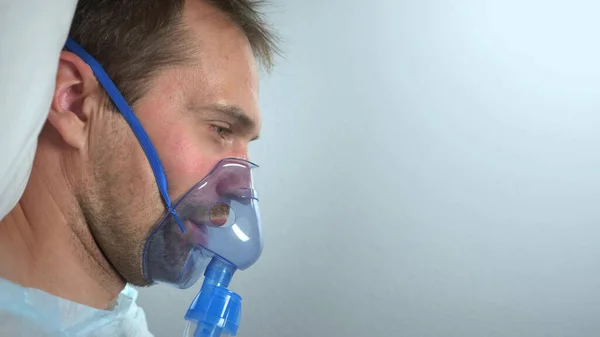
x: 32, y: 312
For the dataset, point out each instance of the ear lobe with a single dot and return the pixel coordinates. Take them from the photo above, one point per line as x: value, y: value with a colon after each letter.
x: 75, y: 85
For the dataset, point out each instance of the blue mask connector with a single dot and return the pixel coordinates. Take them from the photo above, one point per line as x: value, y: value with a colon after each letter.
x: 216, y: 311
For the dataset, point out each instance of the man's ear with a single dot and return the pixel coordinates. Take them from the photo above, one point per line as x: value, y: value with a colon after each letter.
x: 75, y: 99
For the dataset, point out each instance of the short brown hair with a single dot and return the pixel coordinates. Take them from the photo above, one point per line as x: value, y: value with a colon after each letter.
x: 132, y: 39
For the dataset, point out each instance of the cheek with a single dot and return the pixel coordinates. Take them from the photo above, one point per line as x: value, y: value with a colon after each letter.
x: 185, y: 161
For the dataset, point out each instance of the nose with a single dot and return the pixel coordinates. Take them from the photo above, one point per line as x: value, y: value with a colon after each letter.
x: 241, y: 151
x: 235, y: 179
x: 235, y: 182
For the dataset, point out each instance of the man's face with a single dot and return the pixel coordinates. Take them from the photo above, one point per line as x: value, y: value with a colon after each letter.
x: 195, y: 115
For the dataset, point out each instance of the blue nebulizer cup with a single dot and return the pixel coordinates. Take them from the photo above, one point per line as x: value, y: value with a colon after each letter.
x: 216, y: 310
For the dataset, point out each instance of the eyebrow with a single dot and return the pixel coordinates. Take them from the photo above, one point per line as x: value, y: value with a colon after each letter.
x: 237, y: 115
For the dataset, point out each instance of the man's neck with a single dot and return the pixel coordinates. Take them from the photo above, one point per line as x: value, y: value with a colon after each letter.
x: 46, y: 244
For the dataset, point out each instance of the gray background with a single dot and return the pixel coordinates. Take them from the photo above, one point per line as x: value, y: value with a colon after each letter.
x: 429, y: 168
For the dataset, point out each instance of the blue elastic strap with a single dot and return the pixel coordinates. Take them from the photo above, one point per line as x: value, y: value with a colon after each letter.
x: 134, y: 123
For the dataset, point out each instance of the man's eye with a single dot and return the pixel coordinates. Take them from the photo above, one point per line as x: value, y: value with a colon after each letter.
x: 220, y: 130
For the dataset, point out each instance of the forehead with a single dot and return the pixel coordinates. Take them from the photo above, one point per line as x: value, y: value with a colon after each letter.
x: 224, y: 69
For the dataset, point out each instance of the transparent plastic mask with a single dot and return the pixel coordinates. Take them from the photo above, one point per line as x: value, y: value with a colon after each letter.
x: 219, y: 216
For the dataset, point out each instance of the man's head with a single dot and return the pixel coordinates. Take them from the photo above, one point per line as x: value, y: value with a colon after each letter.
x: 188, y: 70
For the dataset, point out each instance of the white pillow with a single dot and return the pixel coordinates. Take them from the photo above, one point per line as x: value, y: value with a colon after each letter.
x: 32, y: 34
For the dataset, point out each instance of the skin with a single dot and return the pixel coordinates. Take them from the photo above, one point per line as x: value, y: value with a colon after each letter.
x: 79, y: 229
